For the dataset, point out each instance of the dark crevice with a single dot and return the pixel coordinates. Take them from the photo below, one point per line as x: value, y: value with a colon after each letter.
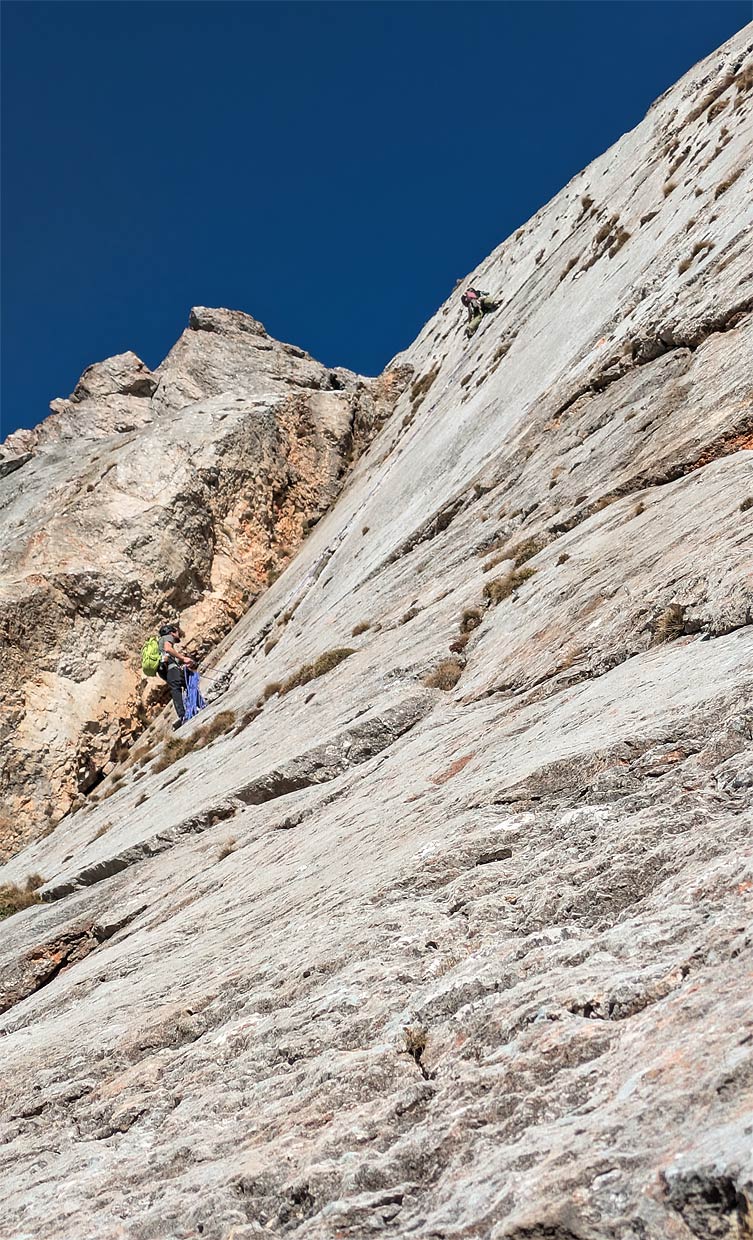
x: 318, y: 766
x: 47, y: 961
x: 152, y: 847
x: 437, y: 524
x: 713, y: 1207
x: 328, y: 761
x: 497, y: 854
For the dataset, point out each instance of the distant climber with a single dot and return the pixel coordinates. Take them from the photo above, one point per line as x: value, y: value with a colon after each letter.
x: 171, y: 667
x: 472, y: 299
x: 477, y: 303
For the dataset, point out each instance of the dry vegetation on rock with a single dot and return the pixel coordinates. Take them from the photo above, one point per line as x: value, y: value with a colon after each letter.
x: 13, y: 898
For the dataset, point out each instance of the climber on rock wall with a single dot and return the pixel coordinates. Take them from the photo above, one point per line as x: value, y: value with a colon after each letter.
x: 472, y: 299
x: 477, y: 303
x: 172, y: 664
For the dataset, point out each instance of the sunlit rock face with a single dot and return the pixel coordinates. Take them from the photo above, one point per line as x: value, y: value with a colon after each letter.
x: 144, y: 496
x: 437, y: 922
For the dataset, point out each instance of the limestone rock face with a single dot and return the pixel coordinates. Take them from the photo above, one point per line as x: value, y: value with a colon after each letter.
x: 437, y: 922
x: 144, y: 495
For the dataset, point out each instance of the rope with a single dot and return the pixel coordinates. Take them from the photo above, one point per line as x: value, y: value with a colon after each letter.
x: 193, y: 702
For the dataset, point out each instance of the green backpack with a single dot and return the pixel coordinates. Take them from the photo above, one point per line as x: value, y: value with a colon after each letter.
x: 150, y: 657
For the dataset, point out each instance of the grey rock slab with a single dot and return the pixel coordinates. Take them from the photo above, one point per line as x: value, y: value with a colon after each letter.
x: 382, y: 956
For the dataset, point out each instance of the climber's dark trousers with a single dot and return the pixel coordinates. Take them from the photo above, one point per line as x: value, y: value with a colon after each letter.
x: 175, y: 682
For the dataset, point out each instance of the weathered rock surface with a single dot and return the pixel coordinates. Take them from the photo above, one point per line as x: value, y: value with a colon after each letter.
x: 148, y: 494
x: 367, y: 957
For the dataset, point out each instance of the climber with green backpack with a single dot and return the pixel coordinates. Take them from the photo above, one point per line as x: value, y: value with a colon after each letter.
x: 160, y: 657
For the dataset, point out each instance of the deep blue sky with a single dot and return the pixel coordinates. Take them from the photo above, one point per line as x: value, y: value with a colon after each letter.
x: 331, y: 168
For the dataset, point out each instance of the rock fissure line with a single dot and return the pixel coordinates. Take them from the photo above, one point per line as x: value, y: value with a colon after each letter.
x: 318, y: 766
x: 647, y: 349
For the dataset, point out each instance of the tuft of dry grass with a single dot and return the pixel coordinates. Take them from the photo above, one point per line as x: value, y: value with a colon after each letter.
x: 743, y: 84
x: 470, y: 619
x: 667, y: 188
x: 586, y: 202
x: 270, y: 690
x: 571, y: 263
x: 445, y: 675
x: 746, y: 504
x: 670, y: 625
x: 218, y: 726
x: 622, y: 236
x: 361, y: 627
x: 528, y: 549
x: 724, y: 185
x: 409, y: 615
x: 502, y: 587
x: 312, y: 671
x: 14, y: 898
x: 494, y: 561
x: 420, y: 388
x: 226, y: 849
x: 701, y: 248
x: 105, y: 828
x: 114, y: 785
x: 459, y: 644
x: 562, y: 559
x: 252, y: 713
x: 179, y: 746
x: 415, y: 1041
x: 639, y: 508
x: 715, y: 109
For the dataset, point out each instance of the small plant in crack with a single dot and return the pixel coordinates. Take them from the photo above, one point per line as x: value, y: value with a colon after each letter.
x: 14, y: 898
x: 420, y: 388
x: 179, y: 746
x: 724, y: 185
x: 746, y: 504
x: 445, y: 675
x: 410, y: 614
x: 248, y: 718
x: 228, y: 847
x: 312, y: 671
x: 670, y: 625
x: 502, y: 587
x: 361, y: 627
x: 701, y: 248
x: 470, y: 619
x: 415, y: 1044
x: 528, y: 549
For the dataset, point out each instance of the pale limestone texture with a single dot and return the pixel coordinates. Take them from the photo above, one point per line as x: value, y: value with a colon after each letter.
x: 364, y: 956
